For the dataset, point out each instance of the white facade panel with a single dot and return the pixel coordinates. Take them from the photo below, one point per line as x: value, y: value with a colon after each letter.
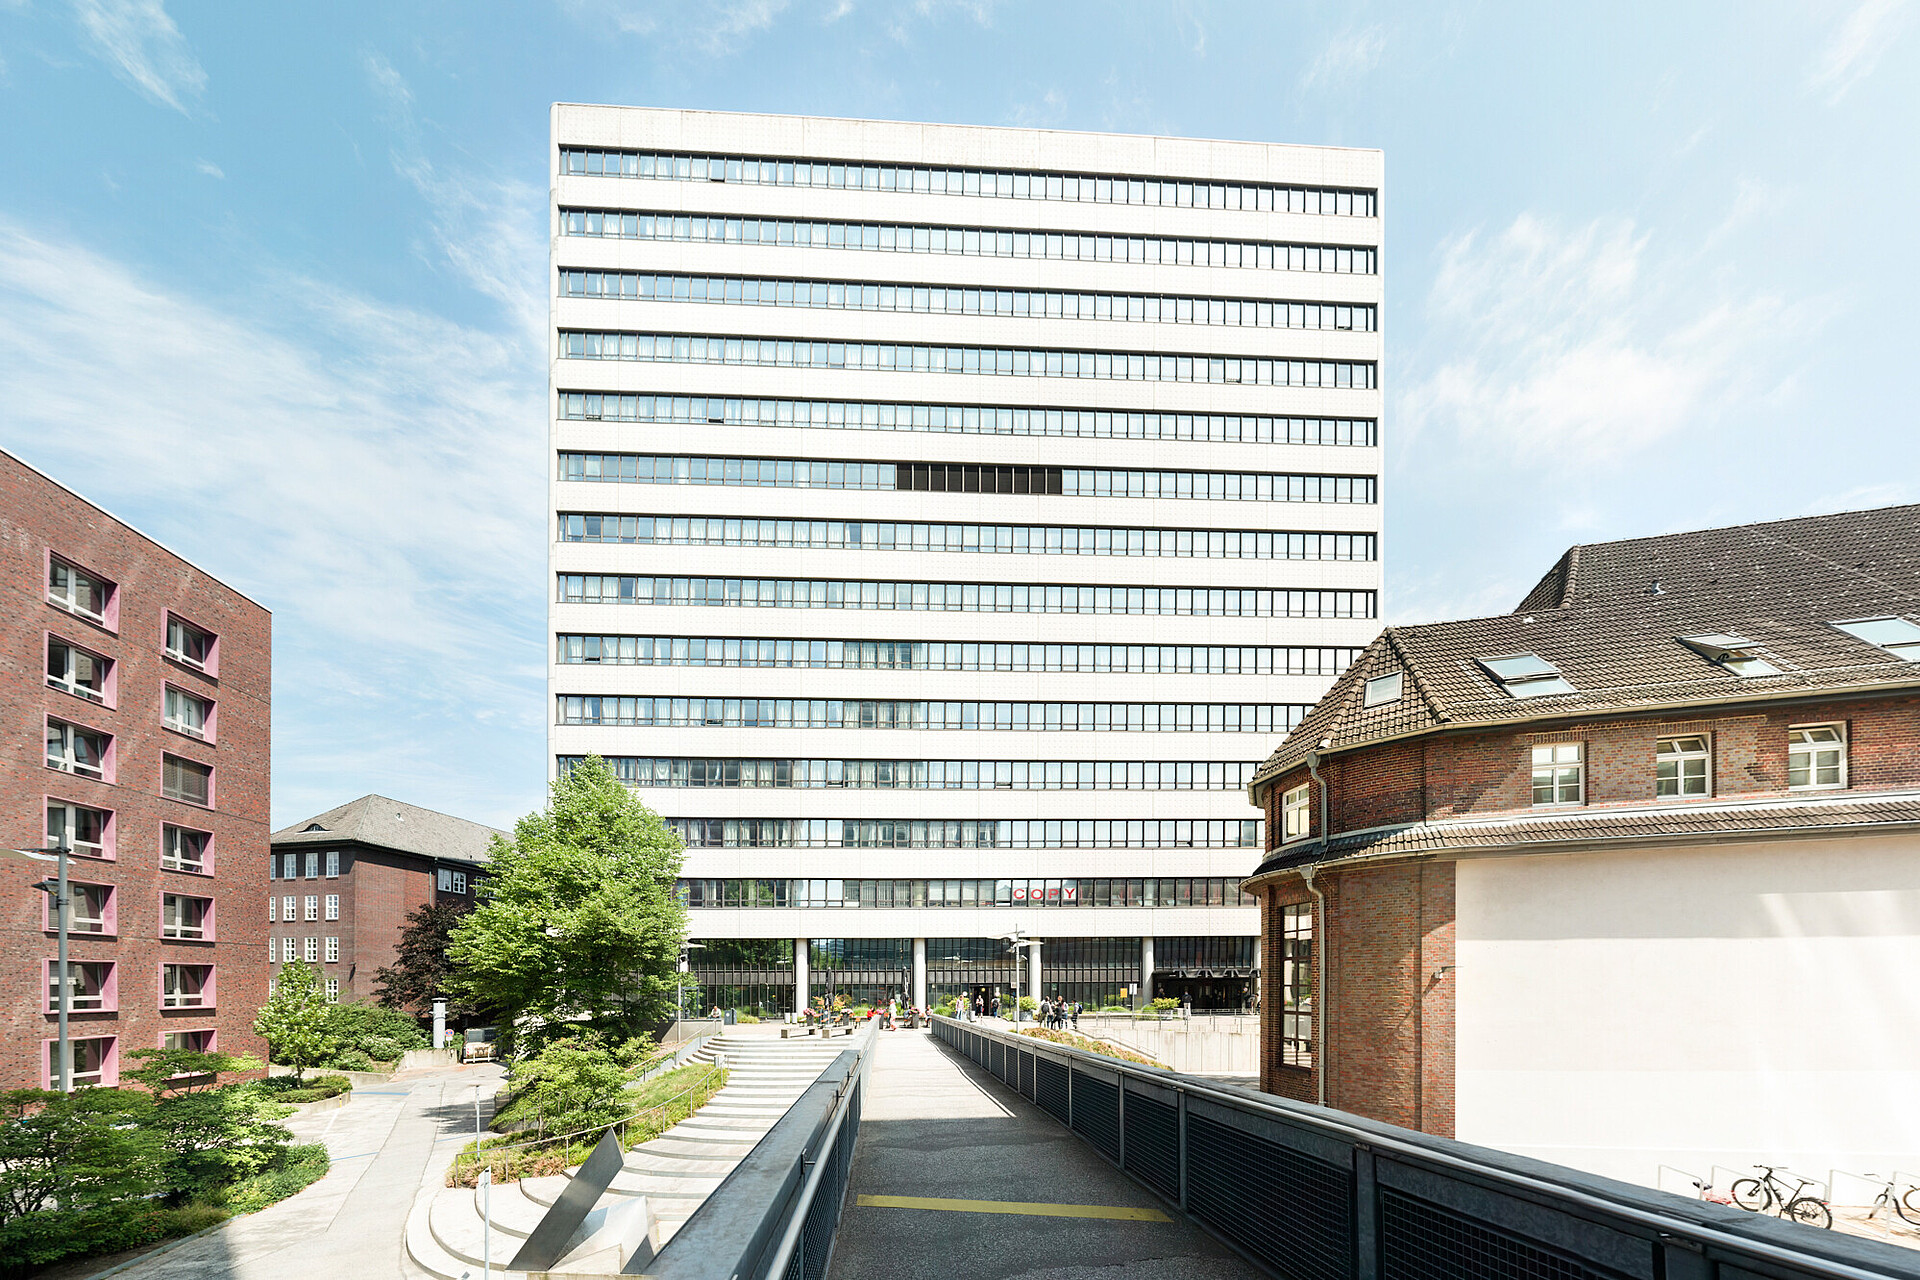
x: 1253, y: 652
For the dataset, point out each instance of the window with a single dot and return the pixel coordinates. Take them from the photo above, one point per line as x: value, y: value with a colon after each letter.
x: 313, y: 906
x: 333, y: 991
x: 311, y: 950
x: 201, y: 1041
x: 951, y: 655
x: 188, y: 780
x: 1817, y: 757
x: 460, y: 882
x: 89, y: 910
x: 800, y: 713
x: 446, y: 880
x: 333, y: 864
x: 182, y: 849
x: 189, y: 644
x: 289, y: 950
x: 77, y: 671
x: 1736, y: 653
x: 1559, y: 773
x: 333, y: 906
x: 1383, y: 689
x: 186, y: 919
x: 71, y: 749
x: 272, y: 913
x: 292, y: 871
x: 286, y: 908
x: 185, y: 713
x: 95, y: 1061
x: 1525, y: 675
x: 1296, y: 984
x: 333, y: 950
x: 186, y: 986
x: 313, y: 865
x: 81, y: 829
x: 1296, y: 815
x: 1897, y: 636
x: 1683, y: 766
x: 91, y: 986
x: 79, y: 592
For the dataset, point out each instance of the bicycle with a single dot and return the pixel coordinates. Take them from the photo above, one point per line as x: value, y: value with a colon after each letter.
x: 1768, y: 1192
x: 1907, y: 1206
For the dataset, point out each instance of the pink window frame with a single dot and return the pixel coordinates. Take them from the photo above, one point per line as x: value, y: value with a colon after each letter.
x: 208, y: 989
x: 49, y: 925
x: 213, y: 713
x: 109, y: 1066
x: 213, y: 1037
x: 212, y: 665
x: 109, y: 838
x: 213, y: 778
x: 109, y: 990
x: 206, y: 855
x: 110, y: 619
x: 207, y: 921
x: 109, y: 759
x: 110, y: 694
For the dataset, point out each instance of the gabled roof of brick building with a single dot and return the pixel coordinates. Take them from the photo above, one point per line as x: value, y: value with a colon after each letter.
x: 392, y: 824
x: 1609, y: 618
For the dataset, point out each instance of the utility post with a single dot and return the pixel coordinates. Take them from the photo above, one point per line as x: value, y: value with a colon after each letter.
x: 1016, y: 940
x: 57, y: 890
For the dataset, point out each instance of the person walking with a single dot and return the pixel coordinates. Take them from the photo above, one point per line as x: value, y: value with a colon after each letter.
x: 1077, y: 1006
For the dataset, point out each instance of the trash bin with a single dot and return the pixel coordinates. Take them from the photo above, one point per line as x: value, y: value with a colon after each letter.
x: 728, y: 1018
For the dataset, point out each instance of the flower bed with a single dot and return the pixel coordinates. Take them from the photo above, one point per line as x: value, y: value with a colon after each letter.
x: 1074, y: 1040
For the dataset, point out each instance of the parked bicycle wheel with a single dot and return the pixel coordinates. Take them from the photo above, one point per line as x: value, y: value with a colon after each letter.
x: 1810, y: 1211
x: 1751, y: 1193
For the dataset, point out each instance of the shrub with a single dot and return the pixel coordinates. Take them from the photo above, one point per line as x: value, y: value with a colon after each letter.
x: 945, y: 1008
x: 296, y: 1168
x: 1165, y: 1004
x: 1113, y: 1008
x: 296, y: 1021
x: 381, y: 1034
x: 93, y: 1152
x: 569, y: 1086
x: 350, y: 1060
x: 747, y: 1019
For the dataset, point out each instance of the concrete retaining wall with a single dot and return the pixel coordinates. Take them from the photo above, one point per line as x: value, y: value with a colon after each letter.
x: 1205, y: 1045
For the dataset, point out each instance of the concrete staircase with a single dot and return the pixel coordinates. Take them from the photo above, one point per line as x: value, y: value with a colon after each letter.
x: 675, y: 1172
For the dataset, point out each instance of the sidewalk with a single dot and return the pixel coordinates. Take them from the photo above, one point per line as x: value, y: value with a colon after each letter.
x: 955, y: 1174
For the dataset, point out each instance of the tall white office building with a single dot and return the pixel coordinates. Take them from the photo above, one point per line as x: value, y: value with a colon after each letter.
x: 945, y: 521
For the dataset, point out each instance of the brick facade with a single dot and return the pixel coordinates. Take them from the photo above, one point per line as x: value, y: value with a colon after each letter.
x: 1385, y: 940
x: 40, y: 522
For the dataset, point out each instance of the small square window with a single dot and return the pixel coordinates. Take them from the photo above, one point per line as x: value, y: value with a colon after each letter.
x: 83, y: 830
x: 79, y: 592
x: 1898, y: 636
x: 1296, y: 816
x: 1683, y: 767
x: 1817, y: 757
x: 446, y: 880
x: 77, y: 671
x: 460, y: 882
x: 1559, y: 773
x: 186, y: 919
x: 183, y: 849
x: 187, y: 780
x: 189, y: 644
x: 83, y: 752
x: 187, y: 713
x: 1383, y: 689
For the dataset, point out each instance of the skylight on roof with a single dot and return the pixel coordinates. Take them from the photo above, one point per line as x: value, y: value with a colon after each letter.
x: 1381, y: 690
x: 1733, y: 652
x: 1525, y: 675
x: 1897, y: 636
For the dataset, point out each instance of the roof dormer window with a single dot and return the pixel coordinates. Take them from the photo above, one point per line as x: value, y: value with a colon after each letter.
x: 1897, y: 636
x: 1382, y: 690
x: 1525, y: 675
x: 1736, y: 653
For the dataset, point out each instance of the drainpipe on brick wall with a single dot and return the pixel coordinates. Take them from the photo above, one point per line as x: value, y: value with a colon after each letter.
x: 1320, y: 932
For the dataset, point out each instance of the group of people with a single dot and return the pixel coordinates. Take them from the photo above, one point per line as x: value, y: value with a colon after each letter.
x: 1057, y: 1013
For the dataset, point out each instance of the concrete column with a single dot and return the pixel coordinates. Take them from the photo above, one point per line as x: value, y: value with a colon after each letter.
x: 1146, y: 970
x: 1259, y: 986
x: 919, y: 973
x: 800, y: 974
x: 1033, y: 949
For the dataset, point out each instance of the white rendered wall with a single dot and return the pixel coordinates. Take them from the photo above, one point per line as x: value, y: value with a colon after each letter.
x: 1732, y: 1005
x: 883, y: 142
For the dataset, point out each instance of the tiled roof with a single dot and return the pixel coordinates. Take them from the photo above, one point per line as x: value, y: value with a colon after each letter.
x: 390, y: 824
x: 1591, y: 826
x: 1608, y: 616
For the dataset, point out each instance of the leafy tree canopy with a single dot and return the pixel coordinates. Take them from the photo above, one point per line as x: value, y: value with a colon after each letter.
x: 296, y: 1021
x: 578, y: 924
x: 84, y: 1150
x: 420, y: 970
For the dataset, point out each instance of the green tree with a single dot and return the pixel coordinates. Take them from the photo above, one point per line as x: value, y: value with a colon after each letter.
x: 67, y: 1159
x: 420, y: 969
x: 296, y: 1021
x: 578, y: 923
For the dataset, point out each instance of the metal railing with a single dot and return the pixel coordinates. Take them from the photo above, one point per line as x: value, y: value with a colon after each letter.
x: 1310, y: 1193
x: 775, y: 1215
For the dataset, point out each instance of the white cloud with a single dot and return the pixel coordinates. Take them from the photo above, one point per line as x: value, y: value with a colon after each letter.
x: 840, y: 9
x: 139, y: 41
x: 369, y: 472
x: 1349, y: 55
x: 715, y: 27
x: 211, y: 169
x: 1855, y: 49
x: 1574, y: 347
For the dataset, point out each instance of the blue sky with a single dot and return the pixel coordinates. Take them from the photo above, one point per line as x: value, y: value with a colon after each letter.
x: 272, y: 283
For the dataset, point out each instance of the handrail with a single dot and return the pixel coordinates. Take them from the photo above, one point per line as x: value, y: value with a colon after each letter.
x: 797, y: 1222
x: 1380, y: 1138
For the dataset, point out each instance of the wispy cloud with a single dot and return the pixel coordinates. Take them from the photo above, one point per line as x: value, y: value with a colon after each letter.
x: 211, y: 169
x: 139, y: 41
x: 368, y: 471
x: 715, y: 28
x: 838, y: 10
x: 1349, y: 55
x: 1570, y: 347
x: 1855, y: 49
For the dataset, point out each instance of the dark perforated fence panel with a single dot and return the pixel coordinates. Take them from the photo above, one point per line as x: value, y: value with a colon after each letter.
x: 1312, y: 1194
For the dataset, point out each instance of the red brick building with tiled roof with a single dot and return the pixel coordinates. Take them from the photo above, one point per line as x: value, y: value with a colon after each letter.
x: 1629, y: 877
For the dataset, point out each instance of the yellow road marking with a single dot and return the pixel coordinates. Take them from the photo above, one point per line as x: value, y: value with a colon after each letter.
x: 1014, y: 1206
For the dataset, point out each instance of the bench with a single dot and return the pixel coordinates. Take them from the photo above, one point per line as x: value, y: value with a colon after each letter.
x: 837, y: 1031
x: 788, y: 1033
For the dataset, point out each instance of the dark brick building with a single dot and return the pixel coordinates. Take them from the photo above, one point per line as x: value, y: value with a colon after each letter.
x: 134, y: 727
x: 341, y: 885
x: 1629, y: 877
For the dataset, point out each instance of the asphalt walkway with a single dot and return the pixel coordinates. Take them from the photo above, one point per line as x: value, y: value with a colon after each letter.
x: 955, y: 1174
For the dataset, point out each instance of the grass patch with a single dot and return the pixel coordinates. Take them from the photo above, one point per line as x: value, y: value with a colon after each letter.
x: 1074, y: 1040
x: 654, y: 1107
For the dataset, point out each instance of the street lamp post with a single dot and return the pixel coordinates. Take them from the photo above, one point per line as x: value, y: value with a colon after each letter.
x: 63, y: 1054
x: 680, y: 978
